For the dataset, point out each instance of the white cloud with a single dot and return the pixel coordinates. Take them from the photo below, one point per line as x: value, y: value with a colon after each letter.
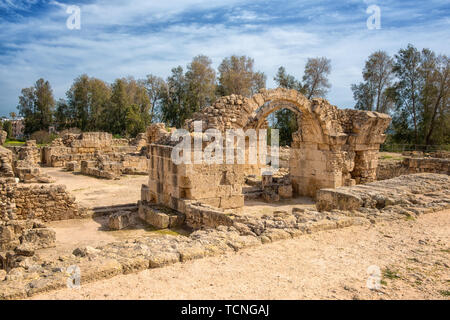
x: 51, y: 51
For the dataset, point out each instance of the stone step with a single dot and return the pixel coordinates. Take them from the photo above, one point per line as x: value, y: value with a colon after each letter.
x: 108, y: 210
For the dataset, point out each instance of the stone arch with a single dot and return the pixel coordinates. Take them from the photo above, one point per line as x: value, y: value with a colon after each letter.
x: 311, y: 126
x: 333, y: 148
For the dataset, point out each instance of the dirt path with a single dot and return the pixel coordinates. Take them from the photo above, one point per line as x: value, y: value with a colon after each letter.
x: 414, y: 257
x: 92, y: 192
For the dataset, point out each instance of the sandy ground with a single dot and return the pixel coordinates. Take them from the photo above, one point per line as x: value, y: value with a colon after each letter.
x: 92, y: 192
x: 413, y: 256
x: 72, y: 234
x: 259, y: 208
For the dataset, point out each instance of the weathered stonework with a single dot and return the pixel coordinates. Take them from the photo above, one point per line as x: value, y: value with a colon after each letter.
x: 113, y: 166
x: 235, y: 233
x: 410, y: 194
x: 392, y: 169
x: 6, y: 159
x: 3, y: 136
x: 333, y: 148
x: 47, y: 203
x: 26, y: 164
x: 85, y: 146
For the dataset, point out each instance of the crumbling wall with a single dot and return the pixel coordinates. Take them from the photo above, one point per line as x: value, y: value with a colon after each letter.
x: 112, y: 166
x: 6, y: 159
x: 414, y: 192
x: 84, y: 146
x: 26, y: 166
x: 3, y: 136
x: 47, y: 203
x: 392, y: 169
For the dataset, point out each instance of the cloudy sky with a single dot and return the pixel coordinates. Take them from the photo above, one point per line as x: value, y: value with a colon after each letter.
x: 138, y: 37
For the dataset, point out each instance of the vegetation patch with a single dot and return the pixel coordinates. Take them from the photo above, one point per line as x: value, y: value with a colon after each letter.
x: 390, y: 274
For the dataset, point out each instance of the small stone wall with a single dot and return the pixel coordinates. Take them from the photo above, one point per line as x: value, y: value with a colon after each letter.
x: 26, y: 163
x: 199, y: 216
x: 104, y: 168
x: 84, y: 146
x: 392, y: 169
x: 408, y: 194
x: 48, y: 203
x: 14, y: 233
x: 6, y: 159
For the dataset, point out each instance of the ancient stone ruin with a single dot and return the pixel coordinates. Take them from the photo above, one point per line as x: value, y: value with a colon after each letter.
x: 333, y: 160
x: 332, y: 148
x: 97, y: 154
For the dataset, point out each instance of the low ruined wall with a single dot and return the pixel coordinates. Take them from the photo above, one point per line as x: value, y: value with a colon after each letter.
x: 392, y: 169
x: 84, y: 146
x: 200, y: 216
x: 413, y: 192
x: 47, y: 203
x: 14, y: 233
x: 6, y: 160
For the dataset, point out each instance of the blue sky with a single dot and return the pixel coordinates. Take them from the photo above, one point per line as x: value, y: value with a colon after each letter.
x: 122, y: 38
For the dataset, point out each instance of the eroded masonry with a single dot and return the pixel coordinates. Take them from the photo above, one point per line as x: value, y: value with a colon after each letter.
x: 332, y: 148
x: 327, y: 178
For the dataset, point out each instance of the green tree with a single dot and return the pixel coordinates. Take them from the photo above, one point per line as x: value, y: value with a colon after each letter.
x: 155, y: 87
x: 285, y: 120
x: 315, y: 78
x: 236, y: 76
x: 64, y: 117
x: 128, y: 99
x: 7, y: 126
x: 36, y: 105
x: 435, y: 71
x: 373, y: 93
x: 174, y: 108
x: 408, y: 91
x: 86, y: 102
x: 201, y: 83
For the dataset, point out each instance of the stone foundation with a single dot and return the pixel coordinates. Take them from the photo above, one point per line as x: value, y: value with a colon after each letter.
x: 392, y: 169
x: 85, y: 146
x: 409, y: 194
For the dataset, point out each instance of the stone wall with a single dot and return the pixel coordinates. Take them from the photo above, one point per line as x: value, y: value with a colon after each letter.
x: 47, y: 203
x: 409, y: 193
x: 3, y: 136
x: 392, y: 169
x: 27, y: 164
x: 84, y: 146
x: 112, y: 166
x: 218, y: 185
x: 6, y: 159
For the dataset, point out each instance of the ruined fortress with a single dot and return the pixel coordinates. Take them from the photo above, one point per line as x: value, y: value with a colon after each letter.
x: 333, y: 160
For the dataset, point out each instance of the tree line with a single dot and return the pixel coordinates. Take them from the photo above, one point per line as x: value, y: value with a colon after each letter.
x: 412, y: 86
x: 127, y: 106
